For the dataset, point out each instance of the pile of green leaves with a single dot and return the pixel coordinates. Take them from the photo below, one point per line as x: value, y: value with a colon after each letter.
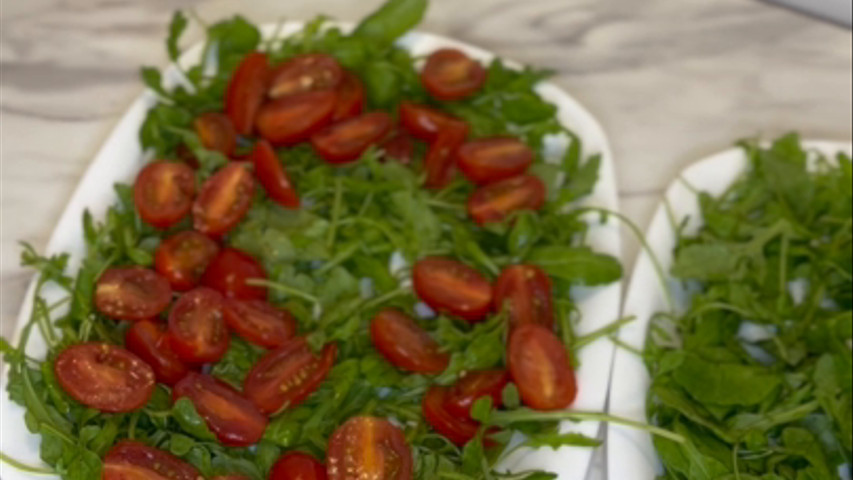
x: 775, y: 257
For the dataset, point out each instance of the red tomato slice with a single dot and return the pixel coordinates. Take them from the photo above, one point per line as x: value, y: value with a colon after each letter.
x: 406, y: 345
x: 259, y: 322
x: 131, y: 293
x: 216, y: 132
x: 400, y: 147
x: 459, y: 430
x: 305, y: 73
x: 224, y: 200
x: 246, y: 91
x: 228, y: 272
x: 439, y: 161
x: 183, y: 258
x: 273, y: 177
x: 105, y: 377
x: 425, y: 123
x: 298, y: 466
x: 163, y: 193
x: 494, y: 159
x: 149, y: 341
x: 525, y: 290
x: 295, y: 118
x: 350, y: 98
x: 539, y: 365
x: 474, y: 386
x: 130, y: 460
x: 232, y: 418
x: 452, y: 287
x: 493, y: 203
x: 197, y: 331
x: 348, y: 140
x: 450, y: 75
x: 369, y: 447
x: 284, y: 378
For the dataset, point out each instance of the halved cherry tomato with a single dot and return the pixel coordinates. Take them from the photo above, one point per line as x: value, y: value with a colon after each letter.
x: 424, y: 122
x: 230, y: 416
x: 439, y: 161
x: 450, y: 75
x: 259, y: 322
x: 453, y: 287
x: 131, y: 460
x: 246, y: 91
x: 197, y: 331
x: 183, y: 258
x: 105, y: 377
x: 216, y: 132
x: 350, y: 98
x: 405, y: 344
x: 493, y: 203
x: 459, y: 430
x: 298, y: 466
x: 540, y: 367
x: 473, y: 386
x: 150, y: 342
x: 273, y: 177
x: 305, y: 73
x: 131, y: 293
x: 525, y: 290
x: 284, y: 378
x: 369, y: 447
x: 400, y: 147
x: 163, y: 193
x: 494, y: 159
x: 224, y: 200
x: 228, y: 272
x: 295, y: 118
x: 348, y: 140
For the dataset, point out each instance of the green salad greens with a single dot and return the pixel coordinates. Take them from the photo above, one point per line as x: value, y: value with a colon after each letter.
x: 756, y: 373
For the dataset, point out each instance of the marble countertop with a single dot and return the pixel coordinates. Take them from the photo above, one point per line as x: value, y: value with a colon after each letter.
x: 671, y: 81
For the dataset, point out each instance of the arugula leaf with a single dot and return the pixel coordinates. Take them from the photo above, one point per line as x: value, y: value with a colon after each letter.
x: 576, y: 264
x: 392, y: 20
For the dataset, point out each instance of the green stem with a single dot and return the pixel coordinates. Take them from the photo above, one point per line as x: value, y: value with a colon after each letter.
x: 375, y: 302
x: 525, y: 415
x: 607, y: 330
x: 24, y: 467
x: 336, y: 212
x: 280, y: 287
x: 339, y: 259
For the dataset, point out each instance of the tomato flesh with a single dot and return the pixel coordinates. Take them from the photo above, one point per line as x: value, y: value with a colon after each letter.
x: 163, y: 193
x: 197, y: 331
x: 216, y: 132
x: 540, y: 367
x: 525, y: 291
x: 305, y: 73
x: 149, y: 342
x: 224, y: 200
x: 474, y: 386
x: 451, y: 75
x: 494, y: 159
x: 298, y: 466
x: 369, y: 448
x: 459, y: 430
x: 131, y: 293
x: 348, y: 140
x: 293, y: 119
x: 246, y: 91
x: 400, y: 147
x: 426, y: 123
x: 405, y: 344
x: 105, y: 377
x: 494, y: 202
x: 229, y: 271
x: 272, y: 175
x: 351, y: 98
x: 259, y: 322
x: 452, y: 287
x: 182, y: 258
x: 131, y: 460
x: 439, y: 161
x: 230, y: 416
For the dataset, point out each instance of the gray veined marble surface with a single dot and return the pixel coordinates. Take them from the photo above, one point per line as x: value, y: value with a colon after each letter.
x: 670, y: 80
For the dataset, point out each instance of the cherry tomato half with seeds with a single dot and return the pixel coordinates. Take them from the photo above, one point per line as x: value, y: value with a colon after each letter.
x: 450, y: 75
x: 284, y: 378
x: 246, y: 91
x: 452, y: 287
x: 232, y: 418
x: 369, y: 447
x: 406, y: 345
x: 540, y: 367
x: 131, y: 293
x: 216, y: 132
x: 131, y: 460
x: 491, y: 160
x: 348, y: 140
x: 105, y: 377
x: 459, y: 430
x: 425, y: 123
x: 224, y: 200
x: 400, y: 147
x: 298, y: 466
x: 183, y: 258
x: 439, y: 161
x: 474, y: 386
x: 149, y: 342
x: 259, y: 322
x: 273, y: 176
x: 163, y: 193
x: 293, y: 119
x: 229, y: 271
x: 525, y: 291
x: 351, y: 98
x: 305, y: 73
x: 493, y: 203
x: 197, y: 331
